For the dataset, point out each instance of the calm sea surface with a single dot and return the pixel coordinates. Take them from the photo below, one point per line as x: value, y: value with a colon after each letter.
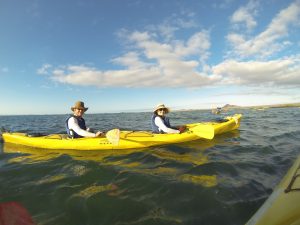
x: 218, y: 182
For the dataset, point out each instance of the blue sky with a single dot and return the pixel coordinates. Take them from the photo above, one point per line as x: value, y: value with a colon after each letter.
x: 130, y: 55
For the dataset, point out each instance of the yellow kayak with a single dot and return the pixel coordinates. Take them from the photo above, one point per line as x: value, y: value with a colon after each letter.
x: 283, y: 205
x: 126, y: 139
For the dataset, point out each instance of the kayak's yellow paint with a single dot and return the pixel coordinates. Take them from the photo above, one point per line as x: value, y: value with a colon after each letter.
x: 128, y: 139
x: 283, y: 205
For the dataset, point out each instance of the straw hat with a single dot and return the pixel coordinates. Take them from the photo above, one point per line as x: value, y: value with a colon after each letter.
x: 79, y: 105
x: 161, y: 106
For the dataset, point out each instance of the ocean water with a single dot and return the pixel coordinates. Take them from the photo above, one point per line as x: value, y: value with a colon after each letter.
x: 218, y: 182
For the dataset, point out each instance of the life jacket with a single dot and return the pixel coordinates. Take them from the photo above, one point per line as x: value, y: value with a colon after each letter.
x: 155, y: 128
x: 81, y: 124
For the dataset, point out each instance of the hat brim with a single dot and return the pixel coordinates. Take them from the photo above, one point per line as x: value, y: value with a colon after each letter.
x: 84, y: 109
x: 165, y: 108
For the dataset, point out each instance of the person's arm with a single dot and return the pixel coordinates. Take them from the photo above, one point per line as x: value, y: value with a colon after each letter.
x: 159, y: 122
x: 72, y: 123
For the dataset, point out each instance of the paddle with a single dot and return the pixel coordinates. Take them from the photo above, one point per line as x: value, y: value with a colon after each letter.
x: 13, y: 213
x: 113, y: 136
x: 203, y: 130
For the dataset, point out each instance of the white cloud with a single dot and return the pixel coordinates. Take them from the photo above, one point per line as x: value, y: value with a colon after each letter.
x: 276, y: 72
x: 198, y: 44
x: 153, y: 62
x: 44, y: 69
x: 151, y: 77
x: 131, y: 60
x: 269, y: 41
x: 245, y: 14
x: 171, y: 72
x: 169, y: 26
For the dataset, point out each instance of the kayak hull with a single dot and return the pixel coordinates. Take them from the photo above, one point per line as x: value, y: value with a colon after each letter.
x: 128, y: 139
x: 282, y: 207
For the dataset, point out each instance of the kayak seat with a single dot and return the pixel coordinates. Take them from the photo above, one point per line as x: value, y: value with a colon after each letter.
x: 138, y: 134
x: 220, y: 120
x: 57, y: 136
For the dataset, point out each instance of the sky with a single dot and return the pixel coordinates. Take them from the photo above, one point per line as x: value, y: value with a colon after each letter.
x: 130, y: 55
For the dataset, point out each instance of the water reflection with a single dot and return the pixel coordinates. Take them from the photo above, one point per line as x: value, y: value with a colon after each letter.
x: 172, y: 162
x: 37, y: 154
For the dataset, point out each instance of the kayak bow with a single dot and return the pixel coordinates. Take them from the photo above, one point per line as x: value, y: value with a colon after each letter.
x: 282, y: 207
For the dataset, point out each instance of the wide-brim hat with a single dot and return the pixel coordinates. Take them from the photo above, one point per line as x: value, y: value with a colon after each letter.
x: 161, y: 106
x: 79, y: 105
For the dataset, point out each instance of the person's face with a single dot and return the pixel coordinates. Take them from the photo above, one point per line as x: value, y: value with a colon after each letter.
x: 78, y: 112
x: 161, y: 112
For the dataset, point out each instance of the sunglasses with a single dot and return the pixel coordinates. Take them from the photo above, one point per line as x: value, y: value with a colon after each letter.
x: 162, y: 110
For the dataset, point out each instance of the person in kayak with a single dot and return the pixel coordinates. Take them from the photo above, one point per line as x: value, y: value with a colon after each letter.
x: 217, y: 110
x: 161, y: 124
x: 75, y: 124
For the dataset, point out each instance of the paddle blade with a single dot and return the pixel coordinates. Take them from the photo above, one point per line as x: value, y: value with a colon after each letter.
x: 204, y: 131
x: 113, y: 136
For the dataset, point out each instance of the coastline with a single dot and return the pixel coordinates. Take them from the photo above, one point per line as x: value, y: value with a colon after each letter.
x: 254, y: 107
x: 286, y: 105
x: 225, y: 108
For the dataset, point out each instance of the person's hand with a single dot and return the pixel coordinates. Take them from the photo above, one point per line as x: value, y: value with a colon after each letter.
x: 99, y: 134
x: 182, y: 129
x: 90, y: 130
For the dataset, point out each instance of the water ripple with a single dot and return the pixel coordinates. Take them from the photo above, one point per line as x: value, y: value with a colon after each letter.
x: 223, y: 181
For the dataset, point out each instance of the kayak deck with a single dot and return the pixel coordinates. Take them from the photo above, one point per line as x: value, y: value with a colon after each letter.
x: 282, y: 207
x: 128, y: 139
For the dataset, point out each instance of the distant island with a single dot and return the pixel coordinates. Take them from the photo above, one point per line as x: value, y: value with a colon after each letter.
x: 228, y: 106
